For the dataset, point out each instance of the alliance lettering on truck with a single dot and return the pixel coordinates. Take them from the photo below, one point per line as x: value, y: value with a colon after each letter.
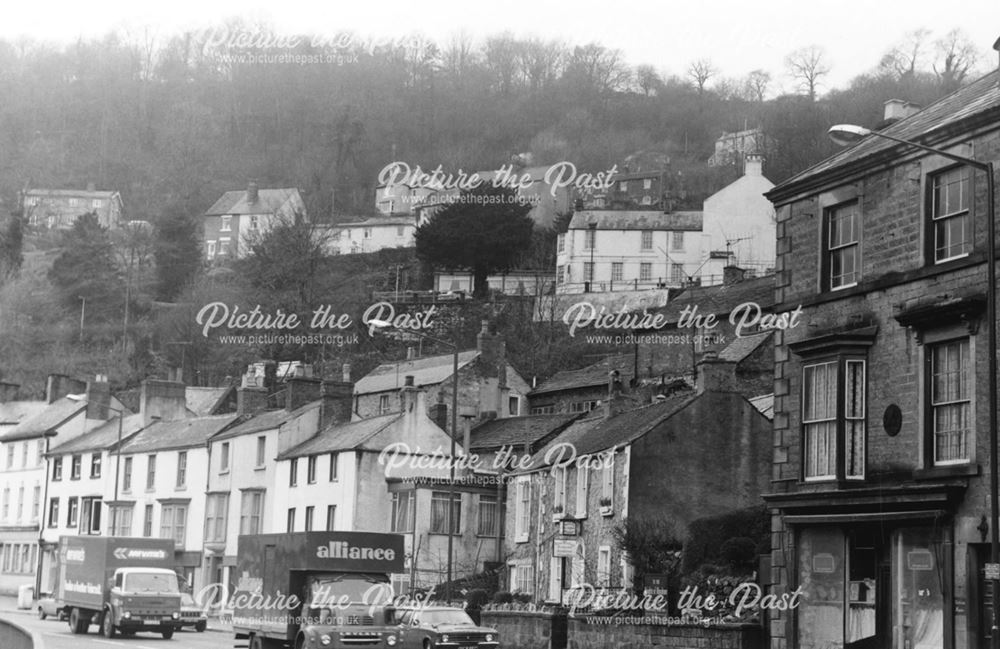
x: 312, y: 590
x: 122, y: 584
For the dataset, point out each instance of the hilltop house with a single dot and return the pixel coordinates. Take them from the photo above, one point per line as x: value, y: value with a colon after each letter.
x: 240, y: 215
x: 608, y: 250
x: 738, y: 225
x: 59, y: 208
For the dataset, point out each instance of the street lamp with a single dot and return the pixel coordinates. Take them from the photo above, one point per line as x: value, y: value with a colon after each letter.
x: 845, y: 134
x: 384, y: 324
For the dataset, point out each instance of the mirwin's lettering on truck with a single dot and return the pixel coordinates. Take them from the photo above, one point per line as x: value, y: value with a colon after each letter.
x: 124, y: 585
x: 316, y: 590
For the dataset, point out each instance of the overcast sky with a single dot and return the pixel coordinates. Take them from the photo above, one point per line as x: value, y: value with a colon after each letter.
x: 737, y: 36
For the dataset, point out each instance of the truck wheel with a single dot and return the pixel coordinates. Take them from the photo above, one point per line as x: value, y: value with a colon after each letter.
x: 41, y: 613
x: 167, y: 633
x: 200, y: 627
x: 77, y: 622
x: 108, y: 625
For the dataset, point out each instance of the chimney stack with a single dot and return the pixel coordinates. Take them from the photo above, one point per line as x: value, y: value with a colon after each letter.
x: 8, y: 391
x: 99, y: 398
x: 715, y: 374
x: 732, y: 275
x: 337, y: 400
x: 346, y: 373
x: 164, y: 400
x: 897, y: 109
x: 300, y: 390
x: 407, y: 395
x: 411, y: 353
x: 439, y: 412
x: 252, y: 193
x: 58, y: 386
x: 753, y: 165
x: 612, y: 404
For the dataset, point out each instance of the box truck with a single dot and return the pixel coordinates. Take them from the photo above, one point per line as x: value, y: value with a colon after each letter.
x: 313, y: 590
x: 124, y: 585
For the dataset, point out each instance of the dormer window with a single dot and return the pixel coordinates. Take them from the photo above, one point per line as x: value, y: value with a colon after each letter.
x: 227, y: 224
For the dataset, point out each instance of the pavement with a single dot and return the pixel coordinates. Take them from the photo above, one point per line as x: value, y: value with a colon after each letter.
x: 9, y: 610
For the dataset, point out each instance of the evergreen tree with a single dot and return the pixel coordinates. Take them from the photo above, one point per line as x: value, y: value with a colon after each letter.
x: 177, y: 250
x: 85, y: 270
x: 486, y: 231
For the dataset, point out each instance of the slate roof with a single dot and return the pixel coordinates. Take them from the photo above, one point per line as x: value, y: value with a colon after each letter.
x: 356, y: 435
x: 268, y: 202
x: 374, y: 222
x: 202, y: 401
x: 518, y: 431
x: 636, y: 220
x: 266, y: 420
x: 743, y: 346
x: 185, y: 433
x: 721, y: 299
x: 595, y: 434
x: 70, y: 193
x: 14, y: 412
x: 103, y: 437
x: 590, y: 376
x: 44, y: 422
x: 429, y: 370
x: 980, y: 96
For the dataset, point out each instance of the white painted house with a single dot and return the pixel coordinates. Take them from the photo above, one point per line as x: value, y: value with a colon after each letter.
x: 370, y: 235
x: 622, y: 250
x: 739, y: 225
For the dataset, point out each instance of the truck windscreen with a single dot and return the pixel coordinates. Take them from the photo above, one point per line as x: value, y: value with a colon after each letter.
x: 150, y: 582
x: 325, y: 590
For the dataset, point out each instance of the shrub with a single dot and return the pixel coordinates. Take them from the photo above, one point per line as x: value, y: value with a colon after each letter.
x: 522, y: 598
x: 476, y: 598
x: 502, y: 597
x: 739, y: 553
x: 708, y: 535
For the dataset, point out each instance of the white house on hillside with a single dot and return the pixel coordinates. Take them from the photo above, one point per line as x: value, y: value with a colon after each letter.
x: 621, y: 250
x: 739, y: 226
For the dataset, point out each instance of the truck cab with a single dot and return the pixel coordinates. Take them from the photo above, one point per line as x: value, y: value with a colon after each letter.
x: 338, y: 611
x: 142, y: 599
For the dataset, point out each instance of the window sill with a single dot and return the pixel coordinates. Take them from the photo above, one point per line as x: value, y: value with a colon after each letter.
x: 259, y: 468
x: 607, y: 511
x: 224, y: 472
x: 947, y: 471
x: 456, y: 534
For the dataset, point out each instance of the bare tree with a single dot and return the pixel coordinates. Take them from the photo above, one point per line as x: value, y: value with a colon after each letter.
x: 700, y: 72
x: 541, y: 61
x: 458, y: 56
x: 501, y: 57
x: 756, y: 85
x: 648, y: 81
x: 956, y: 55
x: 807, y: 66
x: 904, y: 57
x: 599, y: 68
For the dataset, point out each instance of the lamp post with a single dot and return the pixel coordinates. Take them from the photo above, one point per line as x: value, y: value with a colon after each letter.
x: 845, y: 134
x: 383, y: 324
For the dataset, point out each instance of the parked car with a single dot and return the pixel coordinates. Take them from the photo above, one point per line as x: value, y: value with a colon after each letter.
x: 433, y: 627
x: 47, y: 606
x: 192, y: 614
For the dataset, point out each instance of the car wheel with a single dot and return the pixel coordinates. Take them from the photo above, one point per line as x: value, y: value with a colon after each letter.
x: 108, y: 625
x: 167, y: 633
x: 200, y: 627
x: 428, y: 644
x: 41, y: 613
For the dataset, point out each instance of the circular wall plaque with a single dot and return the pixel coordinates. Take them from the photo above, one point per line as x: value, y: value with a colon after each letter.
x: 892, y: 420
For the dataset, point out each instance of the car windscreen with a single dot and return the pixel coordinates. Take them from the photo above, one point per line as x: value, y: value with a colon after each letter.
x: 151, y: 582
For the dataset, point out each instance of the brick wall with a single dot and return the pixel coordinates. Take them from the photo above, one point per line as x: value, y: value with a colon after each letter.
x: 584, y: 635
x: 527, y: 630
